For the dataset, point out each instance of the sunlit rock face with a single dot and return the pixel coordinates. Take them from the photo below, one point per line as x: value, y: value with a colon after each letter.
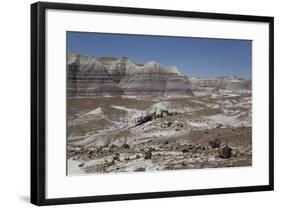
x: 89, y: 76
x: 224, y: 83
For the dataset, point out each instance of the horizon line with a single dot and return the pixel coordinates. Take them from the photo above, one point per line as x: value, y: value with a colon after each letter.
x: 182, y: 71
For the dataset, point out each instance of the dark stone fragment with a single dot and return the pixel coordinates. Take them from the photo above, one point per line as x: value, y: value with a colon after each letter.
x: 116, y: 157
x: 140, y: 169
x: 125, y: 146
x: 183, y: 163
x: 127, y: 158
x: 151, y: 149
x: 219, y: 125
x: 184, y: 150
x: 180, y: 125
x: 190, y: 146
x: 225, y: 152
x: 148, y: 155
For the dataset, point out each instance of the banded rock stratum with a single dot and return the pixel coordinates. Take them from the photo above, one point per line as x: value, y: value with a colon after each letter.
x: 99, y: 76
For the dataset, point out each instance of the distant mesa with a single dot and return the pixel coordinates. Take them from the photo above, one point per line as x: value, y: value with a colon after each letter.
x: 97, y: 76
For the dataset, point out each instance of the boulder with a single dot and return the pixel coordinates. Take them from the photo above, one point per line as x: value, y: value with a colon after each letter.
x: 183, y: 163
x: 166, y: 124
x: 112, y: 146
x: 116, y: 157
x: 140, y: 169
x: 177, y: 129
x: 184, y: 151
x: 90, y: 76
x: 125, y: 146
x: 225, y: 152
x: 127, y: 158
x: 219, y: 125
x: 147, y: 155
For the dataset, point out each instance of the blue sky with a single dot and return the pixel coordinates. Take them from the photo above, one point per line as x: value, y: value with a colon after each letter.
x: 193, y: 56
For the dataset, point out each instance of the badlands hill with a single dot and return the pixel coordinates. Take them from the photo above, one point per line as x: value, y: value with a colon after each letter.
x: 96, y: 76
x: 90, y: 76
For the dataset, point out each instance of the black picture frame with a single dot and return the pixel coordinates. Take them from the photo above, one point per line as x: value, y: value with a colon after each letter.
x: 38, y: 102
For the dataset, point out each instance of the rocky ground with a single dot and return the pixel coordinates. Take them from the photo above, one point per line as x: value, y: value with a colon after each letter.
x: 145, y: 133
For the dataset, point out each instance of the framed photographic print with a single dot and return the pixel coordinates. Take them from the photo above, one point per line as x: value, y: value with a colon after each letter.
x: 134, y: 103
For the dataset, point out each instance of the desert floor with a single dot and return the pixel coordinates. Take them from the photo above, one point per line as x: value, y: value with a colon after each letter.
x: 147, y: 133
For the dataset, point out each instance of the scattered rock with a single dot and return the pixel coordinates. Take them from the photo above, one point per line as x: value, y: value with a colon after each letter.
x: 140, y: 169
x: 81, y: 165
x: 164, y: 113
x: 166, y: 124
x: 190, y: 146
x: 184, y: 150
x: 116, y: 157
x: 105, y: 149
x: 98, y: 150
x: 112, y: 147
x: 180, y: 125
x: 198, y: 147
x: 112, y: 162
x: 127, y: 158
x: 143, y: 119
x: 126, y: 146
x: 214, y: 143
x: 225, y: 152
x: 147, y: 155
x: 183, y: 163
x: 151, y: 149
x: 91, y: 152
x: 219, y: 125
